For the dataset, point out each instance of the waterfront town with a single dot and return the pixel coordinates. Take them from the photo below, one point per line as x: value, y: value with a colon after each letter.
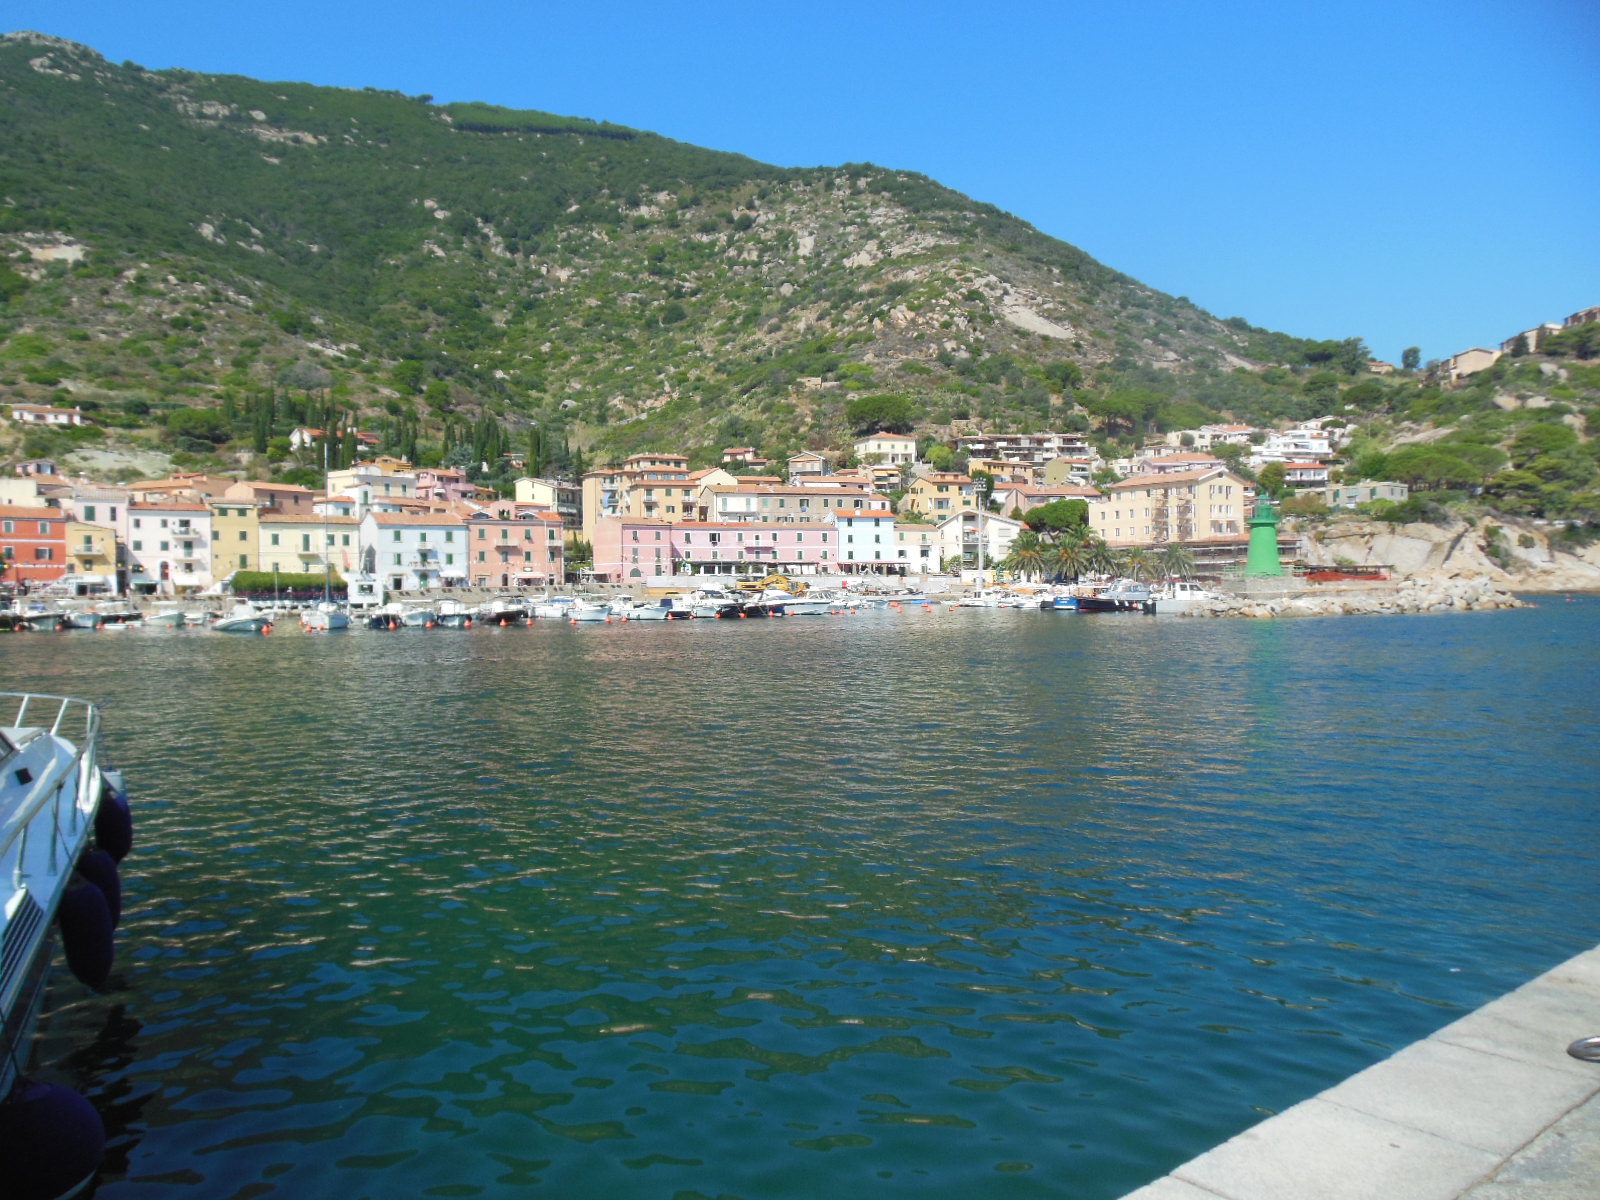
x: 423, y: 529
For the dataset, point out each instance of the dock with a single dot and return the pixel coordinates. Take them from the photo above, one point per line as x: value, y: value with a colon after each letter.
x: 1491, y: 1107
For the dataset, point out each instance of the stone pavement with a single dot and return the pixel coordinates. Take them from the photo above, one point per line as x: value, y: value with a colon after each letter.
x: 1489, y: 1108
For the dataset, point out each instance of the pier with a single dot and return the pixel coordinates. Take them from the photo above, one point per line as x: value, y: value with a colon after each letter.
x: 1491, y: 1107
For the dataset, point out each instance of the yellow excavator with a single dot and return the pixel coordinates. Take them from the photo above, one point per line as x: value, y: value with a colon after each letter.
x: 775, y: 581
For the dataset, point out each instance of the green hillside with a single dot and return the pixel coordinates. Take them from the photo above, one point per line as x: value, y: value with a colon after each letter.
x: 467, y: 279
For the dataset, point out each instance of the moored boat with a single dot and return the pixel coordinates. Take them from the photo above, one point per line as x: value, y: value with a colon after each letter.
x: 324, y: 617
x: 245, y: 618
x: 64, y: 825
x: 450, y: 613
x: 1124, y: 595
x: 1179, y: 595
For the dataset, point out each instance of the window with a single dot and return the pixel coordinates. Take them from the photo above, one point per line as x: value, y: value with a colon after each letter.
x: 164, y: 547
x: 11, y: 526
x: 138, y: 522
x: 43, y: 553
x: 480, y: 538
x: 88, y: 512
x: 244, y: 561
x: 397, y: 560
x: 480, y: 554
x: 397, y: 535
x: 111, y: 513
x: 44, y: 528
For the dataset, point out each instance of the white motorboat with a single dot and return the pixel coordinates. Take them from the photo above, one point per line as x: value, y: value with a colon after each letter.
x: 64, y: 825
x: 713, y: 602
x: 417, y: 616
x: 324, y: 617
x: 502, y: 610
x: 816, y: 602
x: 1178, y: 595
x: 551, y: 608
x: 245, y: 618
x: 167, y: 615
x: 451, y: 613
x: 590, y: 608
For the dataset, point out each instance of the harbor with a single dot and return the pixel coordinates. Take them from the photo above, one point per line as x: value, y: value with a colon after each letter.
x: 953, y: 901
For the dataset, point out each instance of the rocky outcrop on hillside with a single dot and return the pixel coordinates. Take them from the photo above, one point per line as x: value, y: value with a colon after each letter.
x: 1515, y: 554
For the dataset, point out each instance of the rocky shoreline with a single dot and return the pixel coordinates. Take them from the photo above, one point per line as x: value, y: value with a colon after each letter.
x: 1455, y: 593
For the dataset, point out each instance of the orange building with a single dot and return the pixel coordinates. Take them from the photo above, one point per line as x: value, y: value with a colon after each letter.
x: 33, y: 544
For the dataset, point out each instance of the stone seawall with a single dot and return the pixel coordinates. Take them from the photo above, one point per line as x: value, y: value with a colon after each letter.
x: 1419, y: 595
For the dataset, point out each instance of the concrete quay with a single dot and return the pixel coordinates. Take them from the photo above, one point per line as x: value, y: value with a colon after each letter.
x: 1491, y: 1107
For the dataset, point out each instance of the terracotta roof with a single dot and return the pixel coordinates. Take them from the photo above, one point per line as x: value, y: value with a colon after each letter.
x: 1170, y: 479
x: 171, y: 505
x: 308, y: 519
x: 21, y: 513
x: 384, y: 518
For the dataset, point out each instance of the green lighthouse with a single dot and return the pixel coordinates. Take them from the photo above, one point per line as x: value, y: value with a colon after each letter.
x: 1263, y: 558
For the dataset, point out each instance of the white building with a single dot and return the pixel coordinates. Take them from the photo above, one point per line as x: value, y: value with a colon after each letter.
x: 169, y: 546
x: 896, y: 449
x: 968, y: 534
x: 1293, y: 445
x: 412, y: 552
x: 866, y: 540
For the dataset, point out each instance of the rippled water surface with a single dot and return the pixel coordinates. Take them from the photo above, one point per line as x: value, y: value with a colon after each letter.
x: 960, y: 904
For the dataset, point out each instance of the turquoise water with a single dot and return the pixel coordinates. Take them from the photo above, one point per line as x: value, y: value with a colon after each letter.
x: 939, y: 903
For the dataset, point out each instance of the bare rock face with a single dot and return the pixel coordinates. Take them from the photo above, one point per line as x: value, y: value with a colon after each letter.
x: 1519, y: 554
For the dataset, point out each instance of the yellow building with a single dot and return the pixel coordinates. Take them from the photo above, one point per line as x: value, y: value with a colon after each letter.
x: 939, y: 494
x: 297, y: 544
x: 235, y: 535
x: 646, y: 485
x: 1180, y: 507
x: 92, y: 555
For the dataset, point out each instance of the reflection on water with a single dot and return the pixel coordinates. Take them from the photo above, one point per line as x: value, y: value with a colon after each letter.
x: 953, y: 903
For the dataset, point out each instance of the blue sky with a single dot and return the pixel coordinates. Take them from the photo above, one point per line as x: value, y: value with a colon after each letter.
x: 1409, y: 172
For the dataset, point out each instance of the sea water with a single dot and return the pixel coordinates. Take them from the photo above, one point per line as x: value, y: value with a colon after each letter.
x: 927, y: 903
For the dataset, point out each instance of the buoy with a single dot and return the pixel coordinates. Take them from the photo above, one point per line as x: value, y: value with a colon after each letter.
x: 502, y: 622
x: 51, y: 1141
x: 467, y: 624
x: 85, y: 920
x: 113, y: 823
x: 100, y: 869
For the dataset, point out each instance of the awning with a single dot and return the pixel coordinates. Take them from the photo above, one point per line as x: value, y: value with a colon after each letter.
x: 186, y: 579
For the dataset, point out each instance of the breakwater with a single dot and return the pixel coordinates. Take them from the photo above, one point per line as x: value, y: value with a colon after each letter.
x: 1287, y: 598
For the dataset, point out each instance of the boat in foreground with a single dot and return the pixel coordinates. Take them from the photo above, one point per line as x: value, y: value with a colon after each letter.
x: 64, y: 825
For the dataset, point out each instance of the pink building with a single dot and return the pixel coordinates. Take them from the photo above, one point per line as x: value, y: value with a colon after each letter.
x: 627, y: 550
x: 511, y: 545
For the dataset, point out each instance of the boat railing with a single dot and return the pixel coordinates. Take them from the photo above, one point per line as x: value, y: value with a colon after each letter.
x: 78, y: 722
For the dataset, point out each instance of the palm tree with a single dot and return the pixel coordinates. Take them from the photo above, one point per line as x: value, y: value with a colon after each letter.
x: 1135, y: 563
x: 1176, y: 561
x: 1071, y: 557
x: 1028, y: 557
x: 1099, y: 558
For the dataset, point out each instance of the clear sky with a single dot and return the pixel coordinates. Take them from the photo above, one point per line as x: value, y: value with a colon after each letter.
x: 1411, y: 172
